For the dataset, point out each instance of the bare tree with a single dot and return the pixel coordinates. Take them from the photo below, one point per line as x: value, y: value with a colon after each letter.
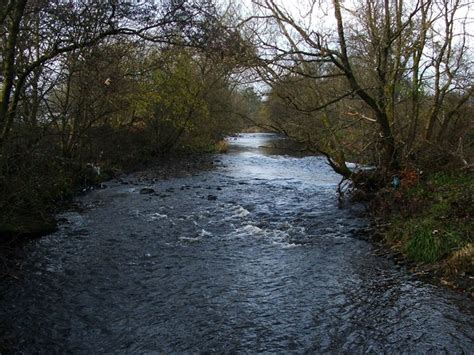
x: 400, y: 59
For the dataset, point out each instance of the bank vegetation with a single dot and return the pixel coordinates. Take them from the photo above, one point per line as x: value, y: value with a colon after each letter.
x: 90, y: 89
x: 94, y: 88
x: 387, y: 84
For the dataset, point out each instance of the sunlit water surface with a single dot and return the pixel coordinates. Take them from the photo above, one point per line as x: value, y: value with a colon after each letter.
x: 254, y: 256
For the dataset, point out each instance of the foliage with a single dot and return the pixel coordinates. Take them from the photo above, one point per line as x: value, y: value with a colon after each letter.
x: 93, y: 89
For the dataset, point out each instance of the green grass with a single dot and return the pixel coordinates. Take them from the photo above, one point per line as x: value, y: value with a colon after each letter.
x: 435, y: 218
x: 429, y: 244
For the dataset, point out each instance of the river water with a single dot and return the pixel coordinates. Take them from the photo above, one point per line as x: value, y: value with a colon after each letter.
x: 254, y: 256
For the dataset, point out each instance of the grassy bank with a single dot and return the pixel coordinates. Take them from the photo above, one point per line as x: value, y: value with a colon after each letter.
x: 430, y: 222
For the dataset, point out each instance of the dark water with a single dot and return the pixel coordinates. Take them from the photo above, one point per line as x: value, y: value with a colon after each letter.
x: 255, y: 256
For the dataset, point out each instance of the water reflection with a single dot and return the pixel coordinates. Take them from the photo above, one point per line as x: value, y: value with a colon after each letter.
x: 264, y: 144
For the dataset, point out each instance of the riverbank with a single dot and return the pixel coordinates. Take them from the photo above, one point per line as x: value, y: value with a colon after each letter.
x: 253, y: 256
x: 428, y: 222
x: 22, y: 224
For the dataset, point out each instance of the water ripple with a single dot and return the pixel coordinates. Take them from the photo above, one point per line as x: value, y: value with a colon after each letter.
x: 270, y: 263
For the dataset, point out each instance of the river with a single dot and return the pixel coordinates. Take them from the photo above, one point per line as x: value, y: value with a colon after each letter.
x: 253, y: 256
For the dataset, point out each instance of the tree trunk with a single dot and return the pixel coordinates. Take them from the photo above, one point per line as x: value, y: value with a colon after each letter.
x: 9, y: 69
x: 390, y: 159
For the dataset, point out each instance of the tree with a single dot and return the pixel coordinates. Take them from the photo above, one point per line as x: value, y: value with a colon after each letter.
x: 66, y: 27
x: 388, y: 52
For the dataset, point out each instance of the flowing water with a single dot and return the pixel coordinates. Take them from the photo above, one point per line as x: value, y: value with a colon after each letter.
x: 254, y: 256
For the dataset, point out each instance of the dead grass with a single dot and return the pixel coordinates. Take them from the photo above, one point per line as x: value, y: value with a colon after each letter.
x: 222, y: 146
x: 462, y: 261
